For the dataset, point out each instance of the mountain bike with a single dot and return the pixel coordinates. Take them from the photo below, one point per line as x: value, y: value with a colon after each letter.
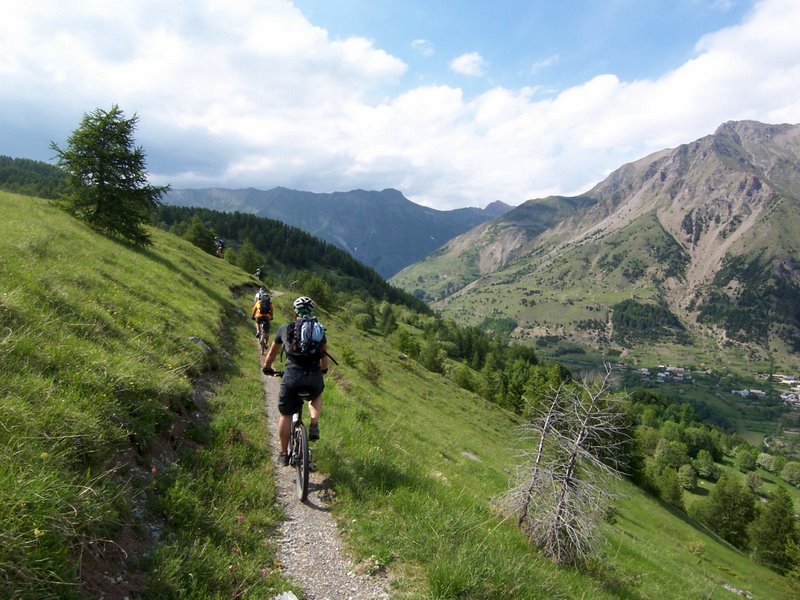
x: 299, y: 452
x: 262, y: 339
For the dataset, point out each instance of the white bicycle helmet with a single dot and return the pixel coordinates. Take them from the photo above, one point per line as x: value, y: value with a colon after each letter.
x: 303, y: 305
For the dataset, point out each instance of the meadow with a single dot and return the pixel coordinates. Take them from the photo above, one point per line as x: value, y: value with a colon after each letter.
x: 132, y: 406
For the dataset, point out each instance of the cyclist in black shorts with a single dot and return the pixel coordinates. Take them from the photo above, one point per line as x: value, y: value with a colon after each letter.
x: 306, y: 363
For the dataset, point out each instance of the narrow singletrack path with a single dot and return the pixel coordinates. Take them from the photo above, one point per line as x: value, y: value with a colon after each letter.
x: 309, y: 546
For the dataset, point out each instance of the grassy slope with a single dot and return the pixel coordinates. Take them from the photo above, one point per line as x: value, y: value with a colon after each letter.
x: 402, y: 454
x: 410, y: 493
x: 95, y: 351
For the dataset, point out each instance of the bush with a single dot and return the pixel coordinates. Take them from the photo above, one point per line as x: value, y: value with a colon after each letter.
x: 363, y: 321
x: 687, y: 477
x: 791, y: 472
x: 347, y: 354
x: 372, y: 371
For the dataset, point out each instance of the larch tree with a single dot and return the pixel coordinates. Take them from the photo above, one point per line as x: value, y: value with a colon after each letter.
x: 106, y: 180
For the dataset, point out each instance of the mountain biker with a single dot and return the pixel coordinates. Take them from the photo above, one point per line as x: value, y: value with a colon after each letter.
x: 220, y: 246
x: 262, y: 291
x: 262, y: 312
x: 259, y: 273
x: 304, y: 371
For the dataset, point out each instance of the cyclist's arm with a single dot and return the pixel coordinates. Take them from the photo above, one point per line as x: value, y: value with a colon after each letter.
x: 323, y: 362
x: 274, y: 348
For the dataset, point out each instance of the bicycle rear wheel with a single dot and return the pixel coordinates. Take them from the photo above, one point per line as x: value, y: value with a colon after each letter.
x: 302, y: 462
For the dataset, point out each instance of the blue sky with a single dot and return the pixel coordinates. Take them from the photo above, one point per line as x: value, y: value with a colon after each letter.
x: 455, y: 103
x: 552, y: 44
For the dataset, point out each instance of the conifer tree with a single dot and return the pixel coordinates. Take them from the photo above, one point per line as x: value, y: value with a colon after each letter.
x: 200, y: 235
x: 728, y: 510
x: 106, y: 179
x: 772, y: 530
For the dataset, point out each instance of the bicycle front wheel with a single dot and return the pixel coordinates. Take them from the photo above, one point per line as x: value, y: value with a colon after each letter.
x: 302, y: 462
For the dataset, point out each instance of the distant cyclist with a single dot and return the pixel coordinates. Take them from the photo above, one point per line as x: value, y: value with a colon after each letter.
x: 306, y: 347
x: 220, y: 246
x: 262, y: 312
x: 259, y: 273
x: 262, y: 291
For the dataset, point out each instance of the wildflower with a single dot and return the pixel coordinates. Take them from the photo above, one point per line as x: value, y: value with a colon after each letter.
x: 38, y: 532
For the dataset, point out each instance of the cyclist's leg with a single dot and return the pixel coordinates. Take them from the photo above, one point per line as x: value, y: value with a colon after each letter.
x: 284, y: 429
x: 265, y: 329
x: 315, y: 409
x: 288, y: 404
x: 314, y: 384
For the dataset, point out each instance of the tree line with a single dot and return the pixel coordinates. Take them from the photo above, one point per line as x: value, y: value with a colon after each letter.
x: 281, y: 251
x: 31, y: 177
x: 674, y: 450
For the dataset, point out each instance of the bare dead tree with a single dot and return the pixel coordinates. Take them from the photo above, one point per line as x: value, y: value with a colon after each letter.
x: 546, y: 420
x: 562, y: 488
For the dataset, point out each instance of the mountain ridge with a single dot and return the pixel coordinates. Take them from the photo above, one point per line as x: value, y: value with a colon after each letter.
x: 382, y: 229
x: 662, y: 228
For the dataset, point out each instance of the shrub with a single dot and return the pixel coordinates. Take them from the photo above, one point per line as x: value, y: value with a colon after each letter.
x: 347, y: 354
x: 791, y: 472
x: 363, y: 321
x: 687, y: 477
x: 372, y: 371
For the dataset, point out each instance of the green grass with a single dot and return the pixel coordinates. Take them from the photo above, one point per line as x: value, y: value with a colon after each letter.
x: 416, y: 464
x: 219, y: 500
x: 418, y: 468
x: 98, y: 351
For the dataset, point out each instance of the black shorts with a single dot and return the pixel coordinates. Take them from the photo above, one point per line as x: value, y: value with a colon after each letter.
x: 265, y: 323
x: 294, y: 382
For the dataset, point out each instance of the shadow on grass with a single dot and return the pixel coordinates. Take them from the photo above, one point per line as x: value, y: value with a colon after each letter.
x: 185, y: 273
x: 694, y: 523
x: 365, y: 477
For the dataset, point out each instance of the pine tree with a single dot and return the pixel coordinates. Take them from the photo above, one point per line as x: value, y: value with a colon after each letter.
x: 728, y: 511
x: 772, y: 529
x: 200, y: 235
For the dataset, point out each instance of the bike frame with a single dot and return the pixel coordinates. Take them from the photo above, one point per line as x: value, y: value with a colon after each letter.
x: 299, y: 451
x: 300, y: 454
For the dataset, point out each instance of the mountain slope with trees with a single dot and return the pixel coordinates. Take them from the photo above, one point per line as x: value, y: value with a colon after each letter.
x: 382, y: 229
x: 144, y: 418
x: 706, y: 232
x: 31, y: 177
x: 279, y: 250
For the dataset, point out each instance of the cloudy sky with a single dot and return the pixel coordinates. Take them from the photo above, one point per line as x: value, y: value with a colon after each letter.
x: 453, y: 102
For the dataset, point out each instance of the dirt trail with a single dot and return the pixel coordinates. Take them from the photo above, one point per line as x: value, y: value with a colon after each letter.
x: 310, y: 549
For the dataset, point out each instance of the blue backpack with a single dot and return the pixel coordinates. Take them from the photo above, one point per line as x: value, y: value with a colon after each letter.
x: 304, y: 337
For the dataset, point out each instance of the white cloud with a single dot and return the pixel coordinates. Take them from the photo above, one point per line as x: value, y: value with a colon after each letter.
x: 545, y: 63
x: 259, y: 96
x: 424, y: 47
x: 471, y: 64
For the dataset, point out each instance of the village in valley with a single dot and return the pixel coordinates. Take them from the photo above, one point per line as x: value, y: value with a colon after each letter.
x: 788, y: 386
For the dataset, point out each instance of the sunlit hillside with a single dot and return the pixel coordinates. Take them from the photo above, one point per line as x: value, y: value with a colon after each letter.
x: 132, y: 417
